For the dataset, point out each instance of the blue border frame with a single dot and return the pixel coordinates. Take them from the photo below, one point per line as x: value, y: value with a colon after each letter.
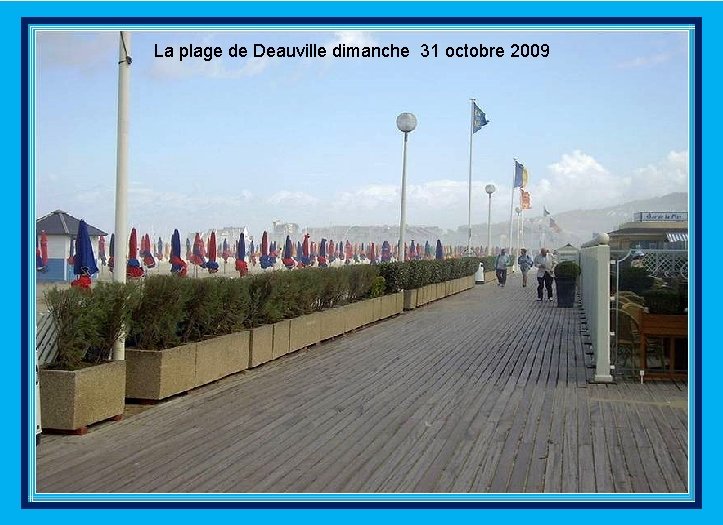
x: 696, y: 22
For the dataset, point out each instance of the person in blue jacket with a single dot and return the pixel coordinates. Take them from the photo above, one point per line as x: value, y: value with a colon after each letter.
x: 524, y: 261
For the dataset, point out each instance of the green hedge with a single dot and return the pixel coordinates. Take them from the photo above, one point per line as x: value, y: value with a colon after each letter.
x: 165, y: 311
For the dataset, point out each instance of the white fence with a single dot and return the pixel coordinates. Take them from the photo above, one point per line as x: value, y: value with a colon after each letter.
x: 595, y: 292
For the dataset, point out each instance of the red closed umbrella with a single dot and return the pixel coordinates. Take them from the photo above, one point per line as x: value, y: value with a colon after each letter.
x: 212, y: 265
x: 133, y: 267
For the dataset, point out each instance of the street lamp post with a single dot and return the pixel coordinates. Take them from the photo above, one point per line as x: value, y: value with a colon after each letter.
x: 490, y: 189
x: 406, y: 122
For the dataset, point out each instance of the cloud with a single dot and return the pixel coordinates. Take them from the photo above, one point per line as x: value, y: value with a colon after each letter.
x: 86, y: 50
x: 292, y: 198
x: 645, y: 61
x: 579, y: 181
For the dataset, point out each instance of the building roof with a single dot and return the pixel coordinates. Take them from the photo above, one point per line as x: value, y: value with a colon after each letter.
x: 62, y: 223
x: 647, y: 231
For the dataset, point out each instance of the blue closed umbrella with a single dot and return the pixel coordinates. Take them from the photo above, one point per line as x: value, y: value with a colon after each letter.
x: 178, y: 265
x: 440, y: 251
x: 84, y: 262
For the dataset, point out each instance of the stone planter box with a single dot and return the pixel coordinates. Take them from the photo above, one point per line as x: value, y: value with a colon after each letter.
x: 490, y: 277
x: 410, y: 299
x: 72, y: 400
x: 261, y: 345
x: 157, y: 374
x: 422, y: 295
x: 281, y: 344
x: 441, y: 290
x: 221, y: 356
x: 392, y: 304
x: 357, y: 315
x: 376, y: 309
x: 304, y: 331
x: 331, y: 323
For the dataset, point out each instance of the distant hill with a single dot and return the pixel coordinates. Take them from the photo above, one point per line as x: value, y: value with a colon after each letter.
x: 576, y: 226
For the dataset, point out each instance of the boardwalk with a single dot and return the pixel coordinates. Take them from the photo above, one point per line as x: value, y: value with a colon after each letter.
x: 485, y: 391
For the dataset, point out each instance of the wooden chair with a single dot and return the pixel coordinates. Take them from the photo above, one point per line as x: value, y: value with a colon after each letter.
x: 633, y: 309
x: 627, y: 339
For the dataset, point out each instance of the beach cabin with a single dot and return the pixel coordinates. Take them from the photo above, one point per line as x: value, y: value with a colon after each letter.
x: 61, y: 229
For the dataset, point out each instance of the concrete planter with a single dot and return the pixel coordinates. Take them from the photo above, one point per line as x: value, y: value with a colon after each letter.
x: 221, y: 356
x: 422, y: 296
x: 261, y: 345
x: 410, y: 299
x: 357, y: 315
x: 72, y: 400
x: 331, y: 323
x: 376, y: 309
x: 391, y: 304
x: 304, y: 331
x: 490, y: 277
x: 281, y: 344
x: 157, y: 374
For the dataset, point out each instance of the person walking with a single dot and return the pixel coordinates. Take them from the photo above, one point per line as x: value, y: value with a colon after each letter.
x: 525, y: 262
x: 501, y: 264
x: 545, y: 264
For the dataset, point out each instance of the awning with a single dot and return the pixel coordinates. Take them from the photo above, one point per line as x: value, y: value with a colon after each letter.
x: 677, y: 237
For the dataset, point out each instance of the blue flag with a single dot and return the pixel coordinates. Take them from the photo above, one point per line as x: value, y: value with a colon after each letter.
x: 479, y: 119
x: 519, y: 175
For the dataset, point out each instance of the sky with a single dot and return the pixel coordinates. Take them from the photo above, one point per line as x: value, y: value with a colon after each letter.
x: 603, y: 119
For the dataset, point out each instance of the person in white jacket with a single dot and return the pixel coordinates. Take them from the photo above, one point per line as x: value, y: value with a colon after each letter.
x: 545, y: 264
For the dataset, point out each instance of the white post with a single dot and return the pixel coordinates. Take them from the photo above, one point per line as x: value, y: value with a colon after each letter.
x: 402, y: 222
x: 469, y: 196
x: 512, y: 206
x: 489, y: 224
x: 121, y: 189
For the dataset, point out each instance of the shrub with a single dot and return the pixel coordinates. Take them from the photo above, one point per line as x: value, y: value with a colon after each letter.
x: 569, y: 270
x: 489, y: 262
x: 360, y: 280
x: 378, y: 286
x: 636, y: 280
x: 394, y: 274
x: 110, y: 307
x: 234, y: 302
x: 74, y: 326
x: 156, y: 318
x: 663, y: 301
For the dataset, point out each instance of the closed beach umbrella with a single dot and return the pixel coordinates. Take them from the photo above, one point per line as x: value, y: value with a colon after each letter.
x: 386, y: 252
x: 133, y: 267
x: 225, y: 252
x: 265, y: 258
x: 322, y: 254
x: 412, y: 250
x: 440, y: 251
x: 159, y: 249
x: 148, y: 259
x: 198, y: 250
x: 178, y: 265
x: 304, y: 257
x: 189, y: 250
x: 427, y: 250
x: 287, y: 258
x: 372, y: 254
x: 212, y: 265
x: 241, y: 266
x: 84, y: 263
x: 111, y: 252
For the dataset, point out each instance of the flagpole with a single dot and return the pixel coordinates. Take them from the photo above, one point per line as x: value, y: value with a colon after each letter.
x: 512, y: 206
x: 469, y: 197
x: 121, y: 192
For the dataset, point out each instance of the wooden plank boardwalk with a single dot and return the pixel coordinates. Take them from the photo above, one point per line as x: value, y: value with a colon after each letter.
x: 486, y: 391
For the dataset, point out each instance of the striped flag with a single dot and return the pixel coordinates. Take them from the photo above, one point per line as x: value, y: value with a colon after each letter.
x: 525, y: 200
x: 520, y: 175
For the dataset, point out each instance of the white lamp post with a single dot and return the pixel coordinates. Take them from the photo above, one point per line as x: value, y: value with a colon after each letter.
x: 490, y: 189
x: 406, y: 122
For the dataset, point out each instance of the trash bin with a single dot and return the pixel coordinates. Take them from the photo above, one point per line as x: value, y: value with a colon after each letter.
x: 479, y: 276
